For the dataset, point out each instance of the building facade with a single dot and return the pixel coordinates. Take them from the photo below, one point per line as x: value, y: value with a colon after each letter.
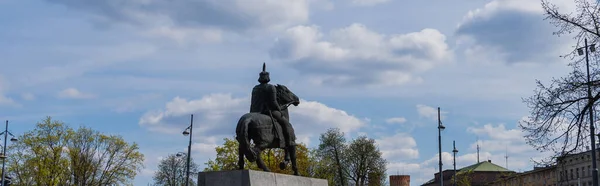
x: 575, y: 169
x: 539, y: 176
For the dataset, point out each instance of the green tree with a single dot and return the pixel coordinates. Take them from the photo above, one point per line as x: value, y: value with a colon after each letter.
x: 227, y: 159
x: 171, y: 171
x: 330, y: 152
x: 464, y: 177
x: 55, y: 154
x: 362, y: 159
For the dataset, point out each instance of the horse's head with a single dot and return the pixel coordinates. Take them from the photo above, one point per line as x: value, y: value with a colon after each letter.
x: 285, y: 96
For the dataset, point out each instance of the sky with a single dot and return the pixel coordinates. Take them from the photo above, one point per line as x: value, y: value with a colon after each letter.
x: 379, y: 68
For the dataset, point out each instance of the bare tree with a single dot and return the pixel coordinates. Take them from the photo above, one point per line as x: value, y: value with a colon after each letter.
x: 557, y: 122
x: 171, y: 171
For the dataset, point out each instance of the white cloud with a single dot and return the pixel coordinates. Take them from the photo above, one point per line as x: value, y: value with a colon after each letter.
x: 398, y: 120
x: 217, y: 114
x: 192, y: 19
x: 318, y: 117
x: 508, y: 31
x: 4, y: 100
x: 401, y: 146
x: 357, y: 55
x: 430, y: 112
x: 72, y: 93
x: 7, y: 101
x: 493, y: 147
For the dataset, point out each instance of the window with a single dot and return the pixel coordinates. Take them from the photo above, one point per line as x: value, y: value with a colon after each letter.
x: 577, y: 173
x: 561, y: 176
x: 583, y: 172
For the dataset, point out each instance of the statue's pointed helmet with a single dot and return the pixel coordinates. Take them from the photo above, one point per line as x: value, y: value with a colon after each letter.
x: 264, y: 75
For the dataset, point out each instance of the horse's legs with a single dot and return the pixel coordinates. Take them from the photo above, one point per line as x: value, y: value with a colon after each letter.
x: 286, y: 160
x: 292, y: 150
x: 240, y: 158
x: 260, y: 162
x: 287, y: 154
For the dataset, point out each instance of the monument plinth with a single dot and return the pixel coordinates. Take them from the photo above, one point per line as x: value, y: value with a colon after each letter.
x: 255, y: 178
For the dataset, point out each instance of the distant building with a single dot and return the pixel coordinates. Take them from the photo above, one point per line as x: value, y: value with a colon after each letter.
x: 399, y: 180
x: 575, y: 169
x: 539, y: 176
x: 478, y: 174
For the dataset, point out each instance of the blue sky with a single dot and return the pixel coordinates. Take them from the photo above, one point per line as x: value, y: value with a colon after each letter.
x: 377, y: 67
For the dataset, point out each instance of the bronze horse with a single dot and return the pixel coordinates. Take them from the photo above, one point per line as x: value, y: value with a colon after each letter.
x: 260, y: 128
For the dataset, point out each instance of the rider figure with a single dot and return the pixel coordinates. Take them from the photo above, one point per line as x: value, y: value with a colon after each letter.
x: 264, y: 100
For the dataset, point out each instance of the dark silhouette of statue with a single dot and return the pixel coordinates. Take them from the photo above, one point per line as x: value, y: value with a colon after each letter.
x: 267, y: 124
x: 264, y: 100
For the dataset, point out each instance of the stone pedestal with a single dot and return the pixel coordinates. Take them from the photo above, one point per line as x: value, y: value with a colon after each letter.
x: 255, y: 178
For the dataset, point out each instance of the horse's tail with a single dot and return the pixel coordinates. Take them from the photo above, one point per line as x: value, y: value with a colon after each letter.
x: 244, y: 139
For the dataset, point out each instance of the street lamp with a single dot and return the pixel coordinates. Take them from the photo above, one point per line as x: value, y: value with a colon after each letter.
x: 580, y: 51
x: 440, y: 128
x: 3, y: 156
x: 186, y: 132
x: 454, y: 163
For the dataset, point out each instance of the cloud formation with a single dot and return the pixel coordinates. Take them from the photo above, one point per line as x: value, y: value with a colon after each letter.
x: 368, y: 2
x: 496, y: 137
x: 398, y: 120
x: 355, y: 55
x: 430, y: 112
x: 217, y: 114
x: 73, y: 93
x: 510, y: 31
x: 188, y: 19
x: 401, y: 146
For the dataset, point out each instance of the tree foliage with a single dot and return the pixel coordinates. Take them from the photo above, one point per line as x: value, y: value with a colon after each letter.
x: 227, y: 159
x: 330, y: 152
x: 359, y: 161
x: 54, y: 154
x: 464, y: 177
x: 558, y: 120
x: 172, y: 169
x: 363, y: 162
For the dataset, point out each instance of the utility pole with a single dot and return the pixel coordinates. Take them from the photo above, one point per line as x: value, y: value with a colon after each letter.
x: 454, y: 162
x: 4, y: 152
x: 506, y: 156
x: 477, y: 149
x: 440, y: 128
x: 591, y: 110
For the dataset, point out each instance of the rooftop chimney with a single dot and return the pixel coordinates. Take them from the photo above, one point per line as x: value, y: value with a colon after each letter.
x: 490, y: 161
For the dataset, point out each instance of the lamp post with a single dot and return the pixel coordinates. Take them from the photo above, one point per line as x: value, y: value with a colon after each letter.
x: 454, y: 161
x: 188, y: 131
x: 440, y: 128
x: 3, y: 156
x: 592, y: 47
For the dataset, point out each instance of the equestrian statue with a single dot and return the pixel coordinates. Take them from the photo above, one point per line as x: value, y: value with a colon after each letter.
x: 267, y: 124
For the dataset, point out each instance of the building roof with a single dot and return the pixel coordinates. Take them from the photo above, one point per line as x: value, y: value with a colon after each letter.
x: 486, y: 166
